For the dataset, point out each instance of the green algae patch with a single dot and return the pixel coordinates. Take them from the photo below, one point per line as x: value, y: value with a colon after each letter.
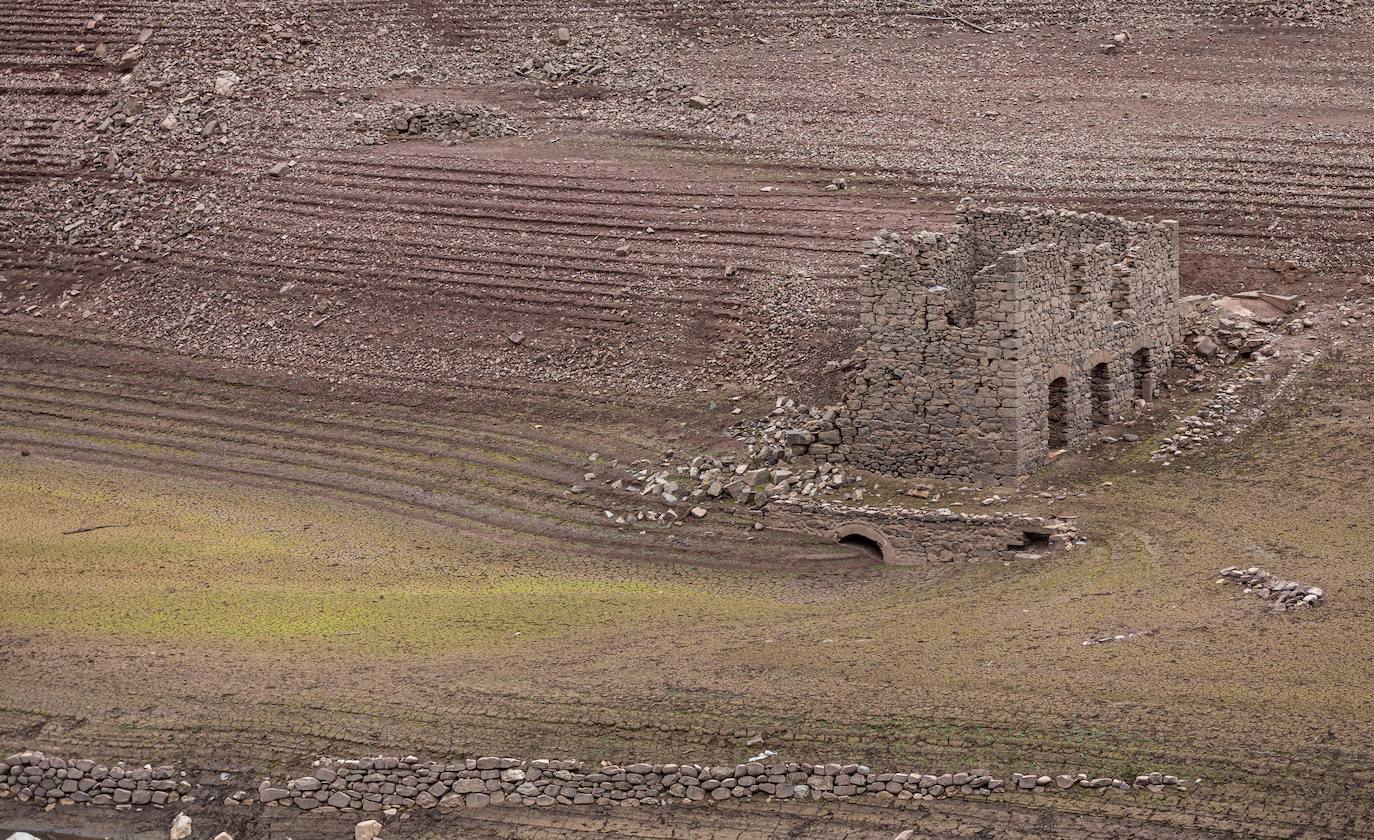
x: 395, y: 621
x: 205, y: 563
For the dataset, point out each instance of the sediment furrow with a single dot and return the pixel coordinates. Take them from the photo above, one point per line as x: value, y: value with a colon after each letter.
x: 462, y: 274
x: 29, y: 340
x: 467, y: 217
x: 451, y: 473
x: 436, y: 471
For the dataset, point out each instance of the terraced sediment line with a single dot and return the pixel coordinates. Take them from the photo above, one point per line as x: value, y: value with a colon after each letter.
x: 471, y: 466
x: 490, y: 18
x: 530, y: 237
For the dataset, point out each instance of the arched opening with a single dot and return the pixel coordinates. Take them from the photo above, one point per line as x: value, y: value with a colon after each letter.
x: 1058, y: 413
x: 865, y: 538
x: 864, y: 544
x: 1141, y: 374
x: 1100, y: 386
x: 1031, y: 541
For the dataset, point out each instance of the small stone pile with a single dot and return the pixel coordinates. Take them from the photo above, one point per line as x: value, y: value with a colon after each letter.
x: 31, y: 776
x: 574, y: 65
x: 1116, y: 637
x: 1285, y: 594
x: 448, y: 124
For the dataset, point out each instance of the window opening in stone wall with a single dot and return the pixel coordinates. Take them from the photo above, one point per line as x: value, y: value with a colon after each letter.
x: 1140, y: 373
x: 1101, y: 389
x: 1121, y: 292
x: 1078, y: 289
x: 1058, y: 413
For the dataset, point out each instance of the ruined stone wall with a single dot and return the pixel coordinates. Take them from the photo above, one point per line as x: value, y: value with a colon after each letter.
x: 913, y: 537
x: 965, y: 335
x: 926, y: 398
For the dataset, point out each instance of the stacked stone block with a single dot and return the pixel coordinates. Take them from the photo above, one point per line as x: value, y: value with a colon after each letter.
x: 964, y: 334
x: 33, y: 777
x: 391, y: 784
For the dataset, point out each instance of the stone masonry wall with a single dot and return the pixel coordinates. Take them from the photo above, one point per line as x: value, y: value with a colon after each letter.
x: 987, y: 349
x: 913, y: 537
x: 391, y: 785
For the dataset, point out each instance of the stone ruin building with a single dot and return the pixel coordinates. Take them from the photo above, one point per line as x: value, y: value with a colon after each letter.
x: 988, y: 349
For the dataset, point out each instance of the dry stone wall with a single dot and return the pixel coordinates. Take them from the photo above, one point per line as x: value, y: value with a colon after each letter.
x: 986, y: 350
x: 390, y: 784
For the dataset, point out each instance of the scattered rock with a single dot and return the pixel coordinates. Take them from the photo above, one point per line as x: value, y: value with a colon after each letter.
x: 225, y: 82
x: 367, y: 830
x: 181, y: 828
x: 1285, y: 594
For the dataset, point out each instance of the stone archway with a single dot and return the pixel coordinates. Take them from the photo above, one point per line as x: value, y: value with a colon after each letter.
x: 866, y: 538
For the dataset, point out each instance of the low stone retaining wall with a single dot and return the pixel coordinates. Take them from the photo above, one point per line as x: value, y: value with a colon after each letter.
x: 34, y: 777
x: 909, y: 536
x: 389, y: 784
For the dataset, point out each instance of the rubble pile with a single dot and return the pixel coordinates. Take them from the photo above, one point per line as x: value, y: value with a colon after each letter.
x: 1285, y: 594
x: 448, y: 124
x: 1220, y: 330
x: 788, y: 431
x: 773, y: 467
